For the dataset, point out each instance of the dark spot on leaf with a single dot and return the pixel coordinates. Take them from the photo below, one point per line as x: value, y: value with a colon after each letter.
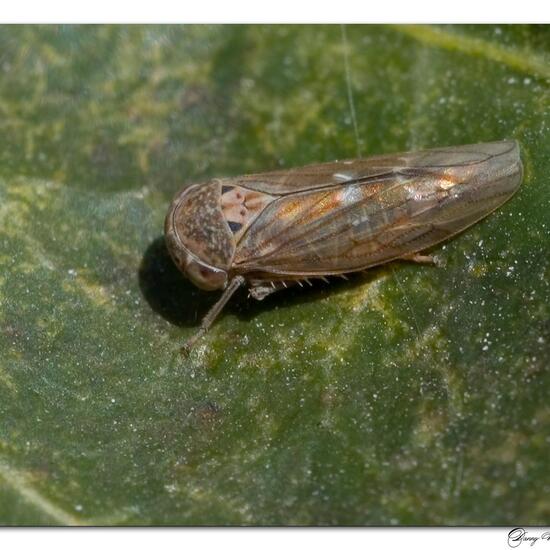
x: 206, y: 413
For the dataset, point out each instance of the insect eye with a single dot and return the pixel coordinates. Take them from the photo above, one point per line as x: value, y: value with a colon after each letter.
x: 205, y: 277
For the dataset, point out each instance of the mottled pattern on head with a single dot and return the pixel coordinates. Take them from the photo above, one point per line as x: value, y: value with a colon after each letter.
x: 202, y: 228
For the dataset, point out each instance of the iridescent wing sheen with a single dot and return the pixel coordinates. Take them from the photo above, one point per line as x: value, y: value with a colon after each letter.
x: 338, y: 217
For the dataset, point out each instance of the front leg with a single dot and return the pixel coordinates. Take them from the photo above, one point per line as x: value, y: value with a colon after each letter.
x: 210, y: 317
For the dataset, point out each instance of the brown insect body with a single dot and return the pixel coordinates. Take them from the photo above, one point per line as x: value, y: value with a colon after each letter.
x: 334, y: 218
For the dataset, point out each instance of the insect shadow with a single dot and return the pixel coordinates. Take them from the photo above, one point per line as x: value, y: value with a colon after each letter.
x: 167, y: 291
x: 181, y: 303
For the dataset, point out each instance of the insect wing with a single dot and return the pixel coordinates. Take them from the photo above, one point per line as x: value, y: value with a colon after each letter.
x: 328, y: 174
x: 375, y: 210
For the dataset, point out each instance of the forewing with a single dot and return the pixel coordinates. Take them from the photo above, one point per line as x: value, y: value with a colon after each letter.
x: 326, y: 175
x: 371, y: 220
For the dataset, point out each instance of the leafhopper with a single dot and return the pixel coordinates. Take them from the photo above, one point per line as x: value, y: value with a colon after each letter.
x: 268, y: 231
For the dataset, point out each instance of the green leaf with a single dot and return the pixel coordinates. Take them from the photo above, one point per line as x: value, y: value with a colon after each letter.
x: 408, y: 395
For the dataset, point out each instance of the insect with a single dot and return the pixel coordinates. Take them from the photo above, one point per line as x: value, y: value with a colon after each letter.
x: 275, y: 229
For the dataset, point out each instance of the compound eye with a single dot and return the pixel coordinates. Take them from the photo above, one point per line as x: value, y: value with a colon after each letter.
x: 205, y: 277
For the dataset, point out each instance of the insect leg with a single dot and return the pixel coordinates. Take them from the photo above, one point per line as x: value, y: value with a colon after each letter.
x: 210, y: 317
x: 423, y: 259
x: 260, y: 292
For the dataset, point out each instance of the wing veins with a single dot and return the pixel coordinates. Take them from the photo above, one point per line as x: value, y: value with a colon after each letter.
x: 384, y: 173
x: 341, y: 212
